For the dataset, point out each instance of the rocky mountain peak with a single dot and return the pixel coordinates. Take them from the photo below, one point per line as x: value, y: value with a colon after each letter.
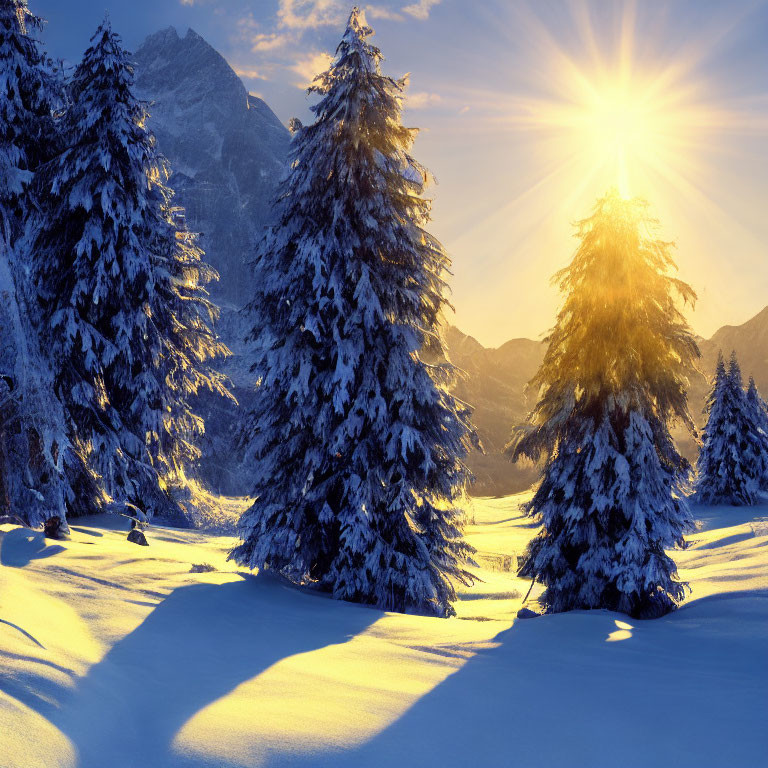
x: 227, y: 148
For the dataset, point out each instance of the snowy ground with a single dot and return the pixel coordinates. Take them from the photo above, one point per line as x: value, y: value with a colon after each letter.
x: 116, y: 656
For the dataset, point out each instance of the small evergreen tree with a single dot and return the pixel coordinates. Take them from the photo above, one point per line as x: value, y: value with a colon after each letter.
x: 613, y: 378
x: 358, y: 446
x: 121, y: 290
x: 759, y: 411
x: 731, y: 462
x: 32, y: 425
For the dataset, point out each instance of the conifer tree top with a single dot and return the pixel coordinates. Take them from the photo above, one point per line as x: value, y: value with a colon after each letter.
x: 354, y: 43
x: 720, y: 367
x: 106, y: 53
x: 354, y: 52
x: 734, y: 370
x: 357, y: 28
x: 620, y: 336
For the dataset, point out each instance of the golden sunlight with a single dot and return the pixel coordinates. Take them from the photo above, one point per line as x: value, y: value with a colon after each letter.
x: 594, y: 104
x: 624, y: 131
x: 613, y: 115
x: 630, y: 131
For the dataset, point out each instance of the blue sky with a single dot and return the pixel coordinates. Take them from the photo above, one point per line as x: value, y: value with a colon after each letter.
x: 512, y: 97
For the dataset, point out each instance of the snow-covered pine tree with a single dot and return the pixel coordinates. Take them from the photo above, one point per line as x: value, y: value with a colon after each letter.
x: 121, y: 289
x: 358, y: 446
x: 731, y: 460
x: 28, y: 91
x: 760, y: 419
x: 32, y: 426
x: 185, y: 318
x: 613, y: 378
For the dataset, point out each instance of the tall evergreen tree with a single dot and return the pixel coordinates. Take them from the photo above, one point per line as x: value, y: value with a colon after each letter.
x: 759, y: 411
x: 28, y: 89
x: 731, y: 461
x: 613, y: 378
x: 32, y: 427
x: 121, y: 289
x: 358, y: 446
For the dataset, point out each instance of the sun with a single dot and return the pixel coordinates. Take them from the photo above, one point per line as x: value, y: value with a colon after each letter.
x: 604, y: 112
x: 624, y: 131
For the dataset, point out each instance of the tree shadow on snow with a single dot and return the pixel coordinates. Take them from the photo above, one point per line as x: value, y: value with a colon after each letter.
x: 20, y: 546
x: 724, y: 516
x: 591, y: 689
x: 197, y: 645
x: 23, y: 632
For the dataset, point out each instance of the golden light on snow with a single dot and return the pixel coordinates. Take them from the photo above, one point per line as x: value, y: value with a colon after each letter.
x: 623, y: 632
x: 138, y: 658
x: 280, y: 714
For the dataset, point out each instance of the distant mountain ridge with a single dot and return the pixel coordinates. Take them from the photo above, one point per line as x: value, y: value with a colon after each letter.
x: 750, y: 342
x: 226, y: 147
x: 496, y: 379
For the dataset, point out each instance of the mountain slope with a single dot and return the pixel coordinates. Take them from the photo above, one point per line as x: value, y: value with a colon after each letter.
x: 750, y: 342
x: 226, y: 147
x: 496, y: 380
x: 227, y: 151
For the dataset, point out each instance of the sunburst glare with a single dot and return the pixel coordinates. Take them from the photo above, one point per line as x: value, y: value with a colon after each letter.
x: 607, y: 99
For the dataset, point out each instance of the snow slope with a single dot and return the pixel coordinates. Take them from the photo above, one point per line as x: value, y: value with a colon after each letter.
x: 113, y: 655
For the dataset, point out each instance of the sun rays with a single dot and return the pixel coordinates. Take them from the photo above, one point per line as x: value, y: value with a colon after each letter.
x: 601, y: 110
x: 624, y: 98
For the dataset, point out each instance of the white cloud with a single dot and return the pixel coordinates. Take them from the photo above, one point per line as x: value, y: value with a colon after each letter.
x: 380, y: 12
x: 250, y: 73
x: 268, y: 41
x: 309, y: 66
x: 308, y: 14
x: 422, y: 100
x: 284, y: 40
x: 420, y: 9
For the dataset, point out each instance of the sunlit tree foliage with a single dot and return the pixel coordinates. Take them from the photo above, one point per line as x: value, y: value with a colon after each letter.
x: 613, y: 379
x: 356, y: 446
x: 121, y: 290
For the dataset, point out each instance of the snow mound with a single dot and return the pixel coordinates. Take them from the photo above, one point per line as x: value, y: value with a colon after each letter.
x: 123, y: 656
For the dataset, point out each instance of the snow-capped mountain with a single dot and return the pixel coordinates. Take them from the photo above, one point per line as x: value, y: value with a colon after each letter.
x: 226, y: 147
